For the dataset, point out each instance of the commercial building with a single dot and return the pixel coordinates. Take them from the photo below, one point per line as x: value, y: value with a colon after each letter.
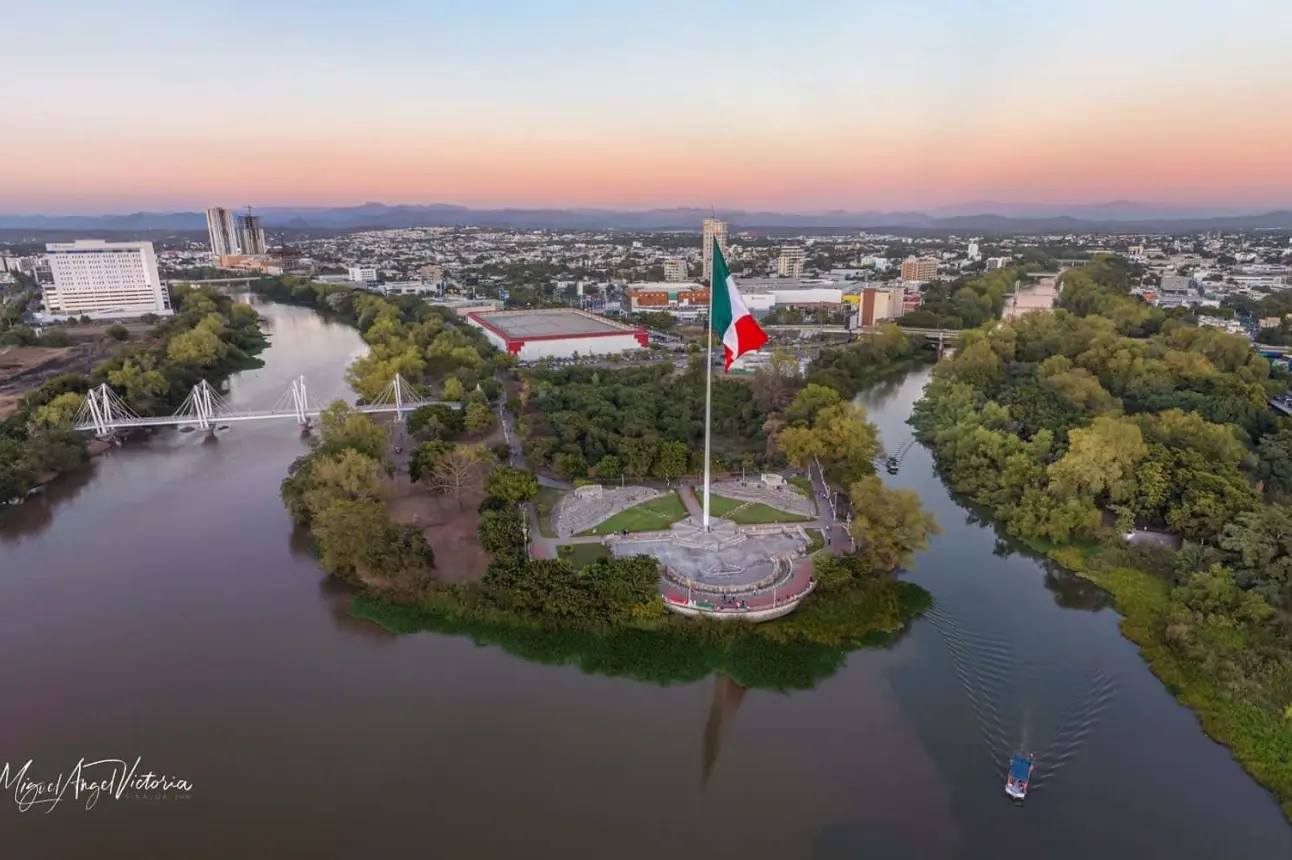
x: 994, y: 263
x: 919, y: 269
x: 713, y: 230
x: 973, y: 253
x: 879, y: 304
x: 762, y: 294
x: 790, y: 264
x: 654, y: 295
x: 251, y: 238
x: 104, y: 280
x: 219, y: 228
x: 539, y: 334
x: 675, y: 271
x: 364, y: 275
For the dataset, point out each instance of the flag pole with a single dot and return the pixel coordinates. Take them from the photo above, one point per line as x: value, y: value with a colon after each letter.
x: 708, y: 379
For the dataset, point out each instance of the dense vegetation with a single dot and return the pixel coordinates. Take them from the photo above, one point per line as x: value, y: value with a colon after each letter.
x: 649, y: 422
x: 1072, y: 428
x: 963, y: 303
x: 209, y: 336
x: 427, y: 345
x: 641, y: 423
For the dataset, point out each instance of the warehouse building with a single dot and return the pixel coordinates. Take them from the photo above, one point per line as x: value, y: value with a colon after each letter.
x: 539, y: 334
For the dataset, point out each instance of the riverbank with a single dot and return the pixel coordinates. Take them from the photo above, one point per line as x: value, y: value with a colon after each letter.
x: 210, y: 337
x: 1259, y: 740
x: 1072, y: 430
x: 670, y: 650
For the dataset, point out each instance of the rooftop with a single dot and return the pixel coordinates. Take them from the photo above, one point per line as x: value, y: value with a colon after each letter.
x: 520, y: 325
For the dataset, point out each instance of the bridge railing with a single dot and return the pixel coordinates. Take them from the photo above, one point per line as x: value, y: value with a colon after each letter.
x: 104, y: 412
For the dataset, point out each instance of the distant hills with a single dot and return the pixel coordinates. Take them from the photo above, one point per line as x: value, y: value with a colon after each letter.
x: 984, y: 218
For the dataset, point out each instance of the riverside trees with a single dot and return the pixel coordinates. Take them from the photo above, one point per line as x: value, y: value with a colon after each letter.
x: 208, y: 336
x: 1110, y: 413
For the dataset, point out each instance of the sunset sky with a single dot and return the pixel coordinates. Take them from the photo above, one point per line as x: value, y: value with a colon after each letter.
x: 798, y: 105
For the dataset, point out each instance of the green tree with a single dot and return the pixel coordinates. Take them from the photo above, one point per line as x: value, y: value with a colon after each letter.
x: 199, y: 347
x: 348, y: 475
x: 890, y: 525
x: 609, y: 467
x: 117, y: 332
x: 342, y: 428
x: 58, y: 413
x: 436, y: 421
x: 143, y: 387
x: 512, y: 485
x: 501, y: 531
x: 453, y: 389
x: 479, y: 419
x: 425, y: 458
x: 672, y: 460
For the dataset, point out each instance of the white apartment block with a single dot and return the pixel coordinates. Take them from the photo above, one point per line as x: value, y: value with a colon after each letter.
x: 994, y: 263
x: 713, y: 230
x: 219, y: 227
x: 104, y: 280
x: 675, y: 271
x: 362, y: 275
x: 790, y: 264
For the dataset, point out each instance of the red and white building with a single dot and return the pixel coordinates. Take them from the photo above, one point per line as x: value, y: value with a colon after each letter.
x: 557, y: 333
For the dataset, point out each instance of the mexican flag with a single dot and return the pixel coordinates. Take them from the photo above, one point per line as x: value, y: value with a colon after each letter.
x: 729, y: 316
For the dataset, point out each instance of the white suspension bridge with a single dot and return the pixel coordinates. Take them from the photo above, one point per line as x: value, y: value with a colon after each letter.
x: 106, y: 414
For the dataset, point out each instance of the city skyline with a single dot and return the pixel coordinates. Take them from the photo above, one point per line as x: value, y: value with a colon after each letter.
x: 775, y: 106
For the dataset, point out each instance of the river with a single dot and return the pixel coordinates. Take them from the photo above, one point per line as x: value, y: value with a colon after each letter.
x: 159, y: 606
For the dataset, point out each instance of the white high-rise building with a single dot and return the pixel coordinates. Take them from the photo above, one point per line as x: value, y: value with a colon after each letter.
x: 219, y: 227
x: 713, y: 229
x: 790, y: 265
x: 675, y: 270
x: 104, y: 280
x: 366, y: 275
x: 973, y: 252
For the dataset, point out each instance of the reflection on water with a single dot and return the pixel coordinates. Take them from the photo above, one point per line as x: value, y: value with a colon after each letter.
x: 727, y: 696
x: 338, y: 595
x: 1074, y: 592
x: 36, y: 514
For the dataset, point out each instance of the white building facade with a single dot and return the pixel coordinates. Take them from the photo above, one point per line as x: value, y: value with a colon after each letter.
x: 362, y: 275
x: 790, y: 264
x: 713, y: 230
x: 675, y: 271
x: 104, y: 280
x: 219, y: 228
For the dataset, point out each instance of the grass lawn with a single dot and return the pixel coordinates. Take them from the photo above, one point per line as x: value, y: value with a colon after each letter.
x: 749, y: 514
x: 655, y: 515
x: 580, y: 555
x: 546, y: 501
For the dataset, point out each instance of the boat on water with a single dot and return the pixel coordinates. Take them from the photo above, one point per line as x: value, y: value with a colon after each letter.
x: 893, y: 465
x: 1020, y: 771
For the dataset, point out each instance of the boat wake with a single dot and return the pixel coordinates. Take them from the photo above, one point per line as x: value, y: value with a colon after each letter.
x: 998, y: 683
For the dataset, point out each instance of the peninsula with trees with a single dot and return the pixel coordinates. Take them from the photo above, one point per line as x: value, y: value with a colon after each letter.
x: 387, y: 517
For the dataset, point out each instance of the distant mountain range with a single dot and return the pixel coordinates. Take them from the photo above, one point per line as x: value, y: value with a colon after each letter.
x: 985, y: 217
